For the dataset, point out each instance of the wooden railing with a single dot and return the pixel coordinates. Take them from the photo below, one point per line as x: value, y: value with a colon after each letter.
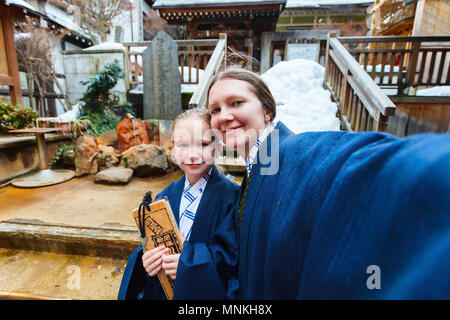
x: 362, y: 104
x: 401, y: 62
x: 217, y: 60
x: 45, y: 107
x: 194, y: 56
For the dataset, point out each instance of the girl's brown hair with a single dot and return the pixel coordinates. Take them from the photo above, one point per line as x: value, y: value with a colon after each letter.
x: 257, y: 85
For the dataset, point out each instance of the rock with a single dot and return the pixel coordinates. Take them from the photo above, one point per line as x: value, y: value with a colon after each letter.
x: 114, y: 176
x: 106, y: 157
x: 131, y: 132
x: 152, y: 131
x: 109, y: 138
x: 168, y: 146
x: 85, y: 152
x: 145, y: 160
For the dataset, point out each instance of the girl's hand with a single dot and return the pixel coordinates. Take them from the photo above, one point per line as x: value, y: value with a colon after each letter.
x: 182, y: 238
x: 170, y: 264
x: 152, y: 260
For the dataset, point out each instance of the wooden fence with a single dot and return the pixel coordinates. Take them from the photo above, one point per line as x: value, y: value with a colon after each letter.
x: 362, y: 104
x: 402, y: 62
x: 194, y: 56
x: 48, y: 109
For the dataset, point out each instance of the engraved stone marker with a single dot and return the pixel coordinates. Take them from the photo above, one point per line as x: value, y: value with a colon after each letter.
x: 162, y: 83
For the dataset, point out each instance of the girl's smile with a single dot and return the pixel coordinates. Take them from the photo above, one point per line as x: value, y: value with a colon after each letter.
x: 193, y: 148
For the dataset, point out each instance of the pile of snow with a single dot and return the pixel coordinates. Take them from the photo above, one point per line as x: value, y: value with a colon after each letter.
x: 106, y: 46
x: 302, y: 103
x: 440, y: 91
x: 71, y: 115
x: 139, y: 89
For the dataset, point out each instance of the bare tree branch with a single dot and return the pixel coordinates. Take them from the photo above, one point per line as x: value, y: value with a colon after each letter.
x: 95, y: 16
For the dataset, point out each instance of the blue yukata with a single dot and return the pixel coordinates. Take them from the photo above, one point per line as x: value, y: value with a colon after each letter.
x: 209, y: 257
x: 340, y: 215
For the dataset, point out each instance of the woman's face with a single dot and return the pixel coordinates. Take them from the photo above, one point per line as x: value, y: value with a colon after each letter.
x: 237, y: 113
x: 193, y: 147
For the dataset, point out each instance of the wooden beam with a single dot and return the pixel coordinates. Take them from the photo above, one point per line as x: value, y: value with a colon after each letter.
x: 420, y: 7
x: 11, y: 56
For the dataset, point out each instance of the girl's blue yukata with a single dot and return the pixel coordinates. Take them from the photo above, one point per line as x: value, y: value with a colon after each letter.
x: 331, y: 207
x: 209, y: 256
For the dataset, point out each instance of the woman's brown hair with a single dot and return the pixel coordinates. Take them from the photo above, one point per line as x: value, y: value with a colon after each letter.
x: 257, y: 85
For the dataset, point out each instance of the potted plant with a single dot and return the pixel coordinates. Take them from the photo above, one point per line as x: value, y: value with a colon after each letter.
x: 15, y: 117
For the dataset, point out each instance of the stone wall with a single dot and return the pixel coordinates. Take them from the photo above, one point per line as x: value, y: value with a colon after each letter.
x: 79, y: 65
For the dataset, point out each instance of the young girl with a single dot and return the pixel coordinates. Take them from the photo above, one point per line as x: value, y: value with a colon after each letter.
x: 202, y: 202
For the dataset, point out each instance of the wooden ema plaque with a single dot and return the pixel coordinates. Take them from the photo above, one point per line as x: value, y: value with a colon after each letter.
x: 160, y: 229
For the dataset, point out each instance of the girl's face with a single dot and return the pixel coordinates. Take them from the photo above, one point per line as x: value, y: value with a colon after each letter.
x: 237, y: 113
x: 193, y: 147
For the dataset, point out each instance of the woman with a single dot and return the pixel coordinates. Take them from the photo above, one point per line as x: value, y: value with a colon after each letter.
x: 319, y: 210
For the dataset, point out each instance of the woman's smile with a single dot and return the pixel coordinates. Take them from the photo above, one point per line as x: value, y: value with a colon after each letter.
x: 237, y: 112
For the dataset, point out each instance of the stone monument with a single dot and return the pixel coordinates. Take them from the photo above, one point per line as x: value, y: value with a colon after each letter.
x: 162, y: 82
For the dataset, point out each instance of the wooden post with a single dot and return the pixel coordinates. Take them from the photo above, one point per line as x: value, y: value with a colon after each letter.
x: 327, y: 55
x: 412, y: 63
x: 420, y: 6
x: 12, y: 78
x: 42, y: 151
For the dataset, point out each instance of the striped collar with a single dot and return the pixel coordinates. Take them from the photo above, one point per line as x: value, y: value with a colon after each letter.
x: 255, y: 148
x: 190, y: 200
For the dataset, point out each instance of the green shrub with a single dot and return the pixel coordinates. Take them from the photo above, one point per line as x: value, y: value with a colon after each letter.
x: 185, y: 97
x: 64, y: 157
x: 100, y: 121
x: 97, y: 95
x: 100, y: 102
x: 15, y: 117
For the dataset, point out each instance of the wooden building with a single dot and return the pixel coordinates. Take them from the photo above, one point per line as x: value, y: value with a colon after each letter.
x: 243, y: 21
x: 411, y: 18
x: 9, y: 70
x: 307, y: 15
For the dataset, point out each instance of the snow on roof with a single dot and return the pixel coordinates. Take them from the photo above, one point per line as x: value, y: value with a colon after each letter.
x: 106, y: 46
x: 175, y: 3
x: 319, y: 3
x: 20, y: 3
x: 22, y: 35
x: 67, y: 23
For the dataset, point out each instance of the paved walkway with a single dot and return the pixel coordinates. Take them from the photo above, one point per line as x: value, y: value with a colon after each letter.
x: 52, y: 236
x: 80, y: 201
